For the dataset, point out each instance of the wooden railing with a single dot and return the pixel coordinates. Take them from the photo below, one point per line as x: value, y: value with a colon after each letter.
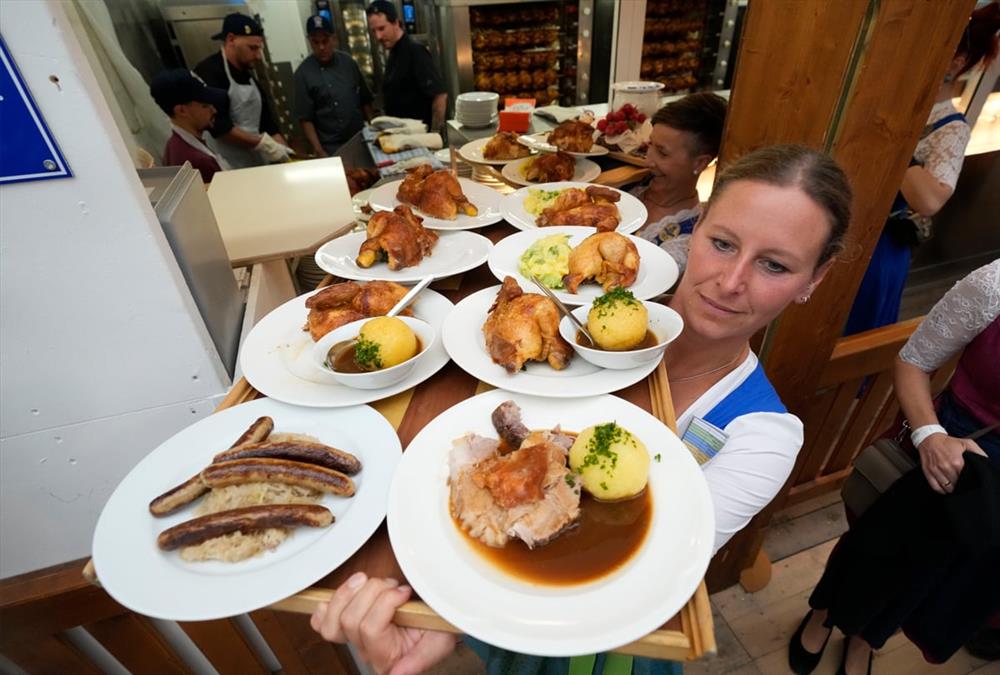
x: 41, y: 614
x: 853, y: 405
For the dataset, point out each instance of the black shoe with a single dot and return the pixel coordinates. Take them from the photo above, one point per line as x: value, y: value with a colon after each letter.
x: 801, y: 661
x: 843, y: 659
x: 985, y: 644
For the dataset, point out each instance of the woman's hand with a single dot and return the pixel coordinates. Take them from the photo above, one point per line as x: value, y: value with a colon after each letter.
x: 941, y: 460
x: 361, y: 611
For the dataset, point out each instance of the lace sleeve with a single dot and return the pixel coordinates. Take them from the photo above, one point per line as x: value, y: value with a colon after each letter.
x: 963, y: 313
x: 943, y: 151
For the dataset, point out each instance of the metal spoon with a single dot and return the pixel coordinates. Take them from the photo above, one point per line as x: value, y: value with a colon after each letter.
x: 403, y: 303
x: 562, y: 308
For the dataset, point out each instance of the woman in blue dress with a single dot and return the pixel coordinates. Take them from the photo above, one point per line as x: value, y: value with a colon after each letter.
x: 767, y: 237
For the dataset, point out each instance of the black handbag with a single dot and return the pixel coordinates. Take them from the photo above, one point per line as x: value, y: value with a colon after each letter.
x: 881, y: 464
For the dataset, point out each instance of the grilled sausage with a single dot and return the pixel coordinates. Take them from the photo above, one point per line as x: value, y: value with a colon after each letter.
x: 263, y: 470
x: 296, y: 451
x: 175, y: 498
x: 246, y: 519
x: 256, y: 433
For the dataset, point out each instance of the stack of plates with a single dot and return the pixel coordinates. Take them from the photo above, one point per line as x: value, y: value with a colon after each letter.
x: 476, y: 108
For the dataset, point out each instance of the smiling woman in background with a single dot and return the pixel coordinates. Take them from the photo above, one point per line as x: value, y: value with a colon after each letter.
x: 740, y: 276
x: 685, y: 139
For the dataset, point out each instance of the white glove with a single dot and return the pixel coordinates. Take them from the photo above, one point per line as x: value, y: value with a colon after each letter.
x: 272, y: 150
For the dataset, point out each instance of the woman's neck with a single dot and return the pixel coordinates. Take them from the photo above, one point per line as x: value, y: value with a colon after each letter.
x: 665, y: 195
x: 691, y: 357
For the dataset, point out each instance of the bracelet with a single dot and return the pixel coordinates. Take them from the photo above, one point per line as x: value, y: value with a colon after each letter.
x: 920, y: 434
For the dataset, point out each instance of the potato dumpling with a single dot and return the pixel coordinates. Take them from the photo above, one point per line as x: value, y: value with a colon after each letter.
x: 384, y: 342
x: 611, y: 462
x: 617, y: 320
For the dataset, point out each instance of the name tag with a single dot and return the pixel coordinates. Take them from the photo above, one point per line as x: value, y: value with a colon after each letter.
x: 703, y: 440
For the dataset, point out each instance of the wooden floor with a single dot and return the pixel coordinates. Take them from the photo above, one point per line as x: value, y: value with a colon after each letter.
x: 752, y: 630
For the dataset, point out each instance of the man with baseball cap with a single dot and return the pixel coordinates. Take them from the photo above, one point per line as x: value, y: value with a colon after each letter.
x: 412, y: 86
x: 332, y: 99
x: 191, y: 107
x: 246, y: 134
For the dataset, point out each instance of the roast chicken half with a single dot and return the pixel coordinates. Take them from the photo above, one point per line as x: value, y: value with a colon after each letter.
x: 349, y: 301
x: 437, y: 194
x: 593, y: 207
x: 609, y: 258
x: 524, y: 327
x: 397, y: 236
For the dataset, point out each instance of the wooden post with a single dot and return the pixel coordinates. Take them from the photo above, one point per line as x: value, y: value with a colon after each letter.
x: 857, y: 79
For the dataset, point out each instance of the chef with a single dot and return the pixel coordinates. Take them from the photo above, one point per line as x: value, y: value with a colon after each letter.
x: 191, y: 107
x: 332, y: 99
x: 246, y: 134
x: 412, y: 86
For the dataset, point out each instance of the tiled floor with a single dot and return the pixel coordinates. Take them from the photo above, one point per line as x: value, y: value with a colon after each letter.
x: 752, y: 630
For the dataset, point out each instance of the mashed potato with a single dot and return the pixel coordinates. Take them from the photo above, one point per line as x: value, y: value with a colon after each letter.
x: 537, y: 200
x: 612, y: 463
x: 547, y: 259
x: 617, y: 321
x: 385, y: 342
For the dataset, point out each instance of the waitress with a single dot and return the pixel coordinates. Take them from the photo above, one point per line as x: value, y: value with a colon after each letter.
x: 245, y: 134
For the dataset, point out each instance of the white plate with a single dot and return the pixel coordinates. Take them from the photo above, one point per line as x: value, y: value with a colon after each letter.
x: 276, y: 357
x: 486, y: 199
x: 540, y: 143
x: 657, y: 270
x: 159, y: 584
x: 463, y: 338
x: 545, y: 620
x: 584, y: 172
x: 473, y: 152
x: 454, y: 252
x: 633, y: 212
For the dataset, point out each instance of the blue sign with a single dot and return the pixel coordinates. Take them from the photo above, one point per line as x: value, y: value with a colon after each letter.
x: 27, y: 149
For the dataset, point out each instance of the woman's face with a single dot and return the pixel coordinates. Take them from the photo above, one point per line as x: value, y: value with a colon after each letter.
x: 752, y: 254
x: 669, y: 156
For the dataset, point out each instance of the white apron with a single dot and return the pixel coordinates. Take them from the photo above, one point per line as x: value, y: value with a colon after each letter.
x: 245, y: 105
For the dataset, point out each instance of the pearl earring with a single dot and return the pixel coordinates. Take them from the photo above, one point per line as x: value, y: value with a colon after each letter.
x: 804, y: 299
x: 696, y: 172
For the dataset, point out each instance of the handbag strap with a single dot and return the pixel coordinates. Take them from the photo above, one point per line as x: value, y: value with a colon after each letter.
x: 982, y: 432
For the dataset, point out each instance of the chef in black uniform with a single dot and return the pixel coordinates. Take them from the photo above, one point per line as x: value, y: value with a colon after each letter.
x: 412, y: 86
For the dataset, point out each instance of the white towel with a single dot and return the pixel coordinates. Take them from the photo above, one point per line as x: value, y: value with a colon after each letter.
x: 557, y: 113
x: 392, y: 125
x: 391, y: 143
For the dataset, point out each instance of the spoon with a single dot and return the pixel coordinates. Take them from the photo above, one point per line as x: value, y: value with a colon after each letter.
x: 565, y: 310
x: 403, y: 303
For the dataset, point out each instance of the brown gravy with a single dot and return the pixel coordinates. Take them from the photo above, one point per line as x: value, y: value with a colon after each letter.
x: 345, y: 362
x: 607, y: 536
x: 648, y: 340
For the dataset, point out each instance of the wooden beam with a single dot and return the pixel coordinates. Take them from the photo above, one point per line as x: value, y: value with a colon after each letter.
x: 857, y: 78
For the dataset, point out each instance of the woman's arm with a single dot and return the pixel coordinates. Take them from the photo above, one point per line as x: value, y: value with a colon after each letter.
x: 940, y: 454
x: 750, y: 469
x: 924, y: 193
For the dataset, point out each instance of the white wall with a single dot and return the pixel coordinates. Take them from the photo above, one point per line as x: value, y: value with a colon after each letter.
x: 103, y: 354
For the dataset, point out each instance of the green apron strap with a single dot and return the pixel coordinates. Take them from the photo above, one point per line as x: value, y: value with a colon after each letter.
x: 617, y: 664
x: 582, y: 665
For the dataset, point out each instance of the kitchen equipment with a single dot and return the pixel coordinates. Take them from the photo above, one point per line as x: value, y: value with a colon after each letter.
x: 645, y: 96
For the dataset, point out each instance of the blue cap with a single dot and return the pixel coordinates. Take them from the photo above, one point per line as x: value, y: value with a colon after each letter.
x: 318, y: 24
x: 180, y: 86
x: 239, y: 24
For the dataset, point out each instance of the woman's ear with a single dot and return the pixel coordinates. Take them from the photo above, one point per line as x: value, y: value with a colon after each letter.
x: 820, y: 273
x: 701, y: 163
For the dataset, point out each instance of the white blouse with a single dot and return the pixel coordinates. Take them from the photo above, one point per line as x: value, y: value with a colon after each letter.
x: 959, y: 316
x: 755, y: 461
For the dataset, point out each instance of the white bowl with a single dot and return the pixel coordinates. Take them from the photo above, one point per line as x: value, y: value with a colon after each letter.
x: 665, y: 324
x: 376, y: 379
